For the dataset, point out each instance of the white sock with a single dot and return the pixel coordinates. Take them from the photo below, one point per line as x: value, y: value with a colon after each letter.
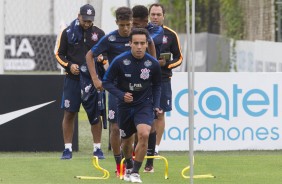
x: 96, y: 146
x: 157, y: 149
x: 68, y: 146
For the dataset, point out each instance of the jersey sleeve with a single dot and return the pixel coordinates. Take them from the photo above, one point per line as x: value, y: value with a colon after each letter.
x: 176, y: 52
x: 108, y: 80
x: 101, y: 47
x: 62, y: 49
x: 156, y: 85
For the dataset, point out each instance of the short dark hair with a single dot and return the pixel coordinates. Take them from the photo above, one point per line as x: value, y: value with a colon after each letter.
x: 140, y: 11
x: 123, y: 13
x: 157, y: 5
x: 141, y: 31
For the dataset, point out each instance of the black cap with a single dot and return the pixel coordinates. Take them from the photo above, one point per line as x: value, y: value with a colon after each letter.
x: 87, y: 12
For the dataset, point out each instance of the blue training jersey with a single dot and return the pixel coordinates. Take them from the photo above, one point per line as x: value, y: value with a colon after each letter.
x: 141, y: 77
x: 113, y: 44
x: 156, y: 32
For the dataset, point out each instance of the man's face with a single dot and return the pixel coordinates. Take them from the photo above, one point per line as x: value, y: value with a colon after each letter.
x: 85, y: 24
x: 156, y: 15
x: 140, y: 23
x: 138, y: 45
x: 124, y: 27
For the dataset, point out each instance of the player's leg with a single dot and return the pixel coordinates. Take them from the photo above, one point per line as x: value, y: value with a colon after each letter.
x: 89, y: 98
x: 143, y: 131
x: 70, y: 104
x: 127, y: 130
x: 151, y: 149
x: 165, y: 103
x: 115, y: 132
x: 160, y: 126
x: 96, y: 130
x: 144, y: 114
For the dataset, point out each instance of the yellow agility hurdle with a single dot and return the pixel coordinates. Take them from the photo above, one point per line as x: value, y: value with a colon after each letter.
x: 156, y: 157
x: 195, y: 176
x: 97, y: 166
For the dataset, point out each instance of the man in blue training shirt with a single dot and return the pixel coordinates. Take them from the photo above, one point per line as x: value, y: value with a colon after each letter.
x: 113, y: 44
x: 73, y: 43
x: 140, y: 19
x: 134, y: 77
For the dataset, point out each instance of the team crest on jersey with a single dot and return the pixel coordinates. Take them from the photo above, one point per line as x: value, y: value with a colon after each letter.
x: 126, y: 62
x: 83, y: 68
x: 111, y: 114
x: 145, y: 73
x: 94, y: 37
x: 67, y: 104
x: 148, y: 63
x: 164, y: 39
x: 112, y: 38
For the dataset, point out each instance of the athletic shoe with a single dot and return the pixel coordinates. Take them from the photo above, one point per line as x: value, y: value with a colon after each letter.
x: 148, y: 169
x: 135, y: 178
x: 67, y: 154
x: 126, y: 176
x: 99, y: 153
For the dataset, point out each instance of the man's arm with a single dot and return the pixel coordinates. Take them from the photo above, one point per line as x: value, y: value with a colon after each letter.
x: 92, y: 70
x: 108, y: 82
x: 152, y: 49
x: 175, y: 50
x: 61, y: 52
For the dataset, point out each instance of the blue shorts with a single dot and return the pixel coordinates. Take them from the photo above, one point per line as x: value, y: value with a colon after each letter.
x: 73, y: 97
x: 112, y: 108
x: 166, y: 93
x: 129, y: 117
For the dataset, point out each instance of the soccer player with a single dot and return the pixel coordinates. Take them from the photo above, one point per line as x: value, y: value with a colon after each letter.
x: 141, y: 19
x: 73, y: 43
x: 113, y: 44
x: 171, y: 45
x: 137, y: 87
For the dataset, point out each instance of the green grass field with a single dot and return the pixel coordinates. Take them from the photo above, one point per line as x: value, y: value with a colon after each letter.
x: 236, y: 167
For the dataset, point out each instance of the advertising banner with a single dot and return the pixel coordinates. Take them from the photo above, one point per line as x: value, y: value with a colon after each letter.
x: 232, y: 111
x: 30, y: 113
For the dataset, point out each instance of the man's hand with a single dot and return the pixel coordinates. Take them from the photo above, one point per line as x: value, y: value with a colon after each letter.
x: 98, y: 84
x: 162, y: 61
x: 158, y: 111
x: 74, y: 68
x: 128, y: 98
x: 100, y: 58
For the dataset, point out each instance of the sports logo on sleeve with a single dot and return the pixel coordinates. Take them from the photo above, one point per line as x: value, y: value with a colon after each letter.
x: 145, y: 73
x: 112, y: 38
x: 126, y: 62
